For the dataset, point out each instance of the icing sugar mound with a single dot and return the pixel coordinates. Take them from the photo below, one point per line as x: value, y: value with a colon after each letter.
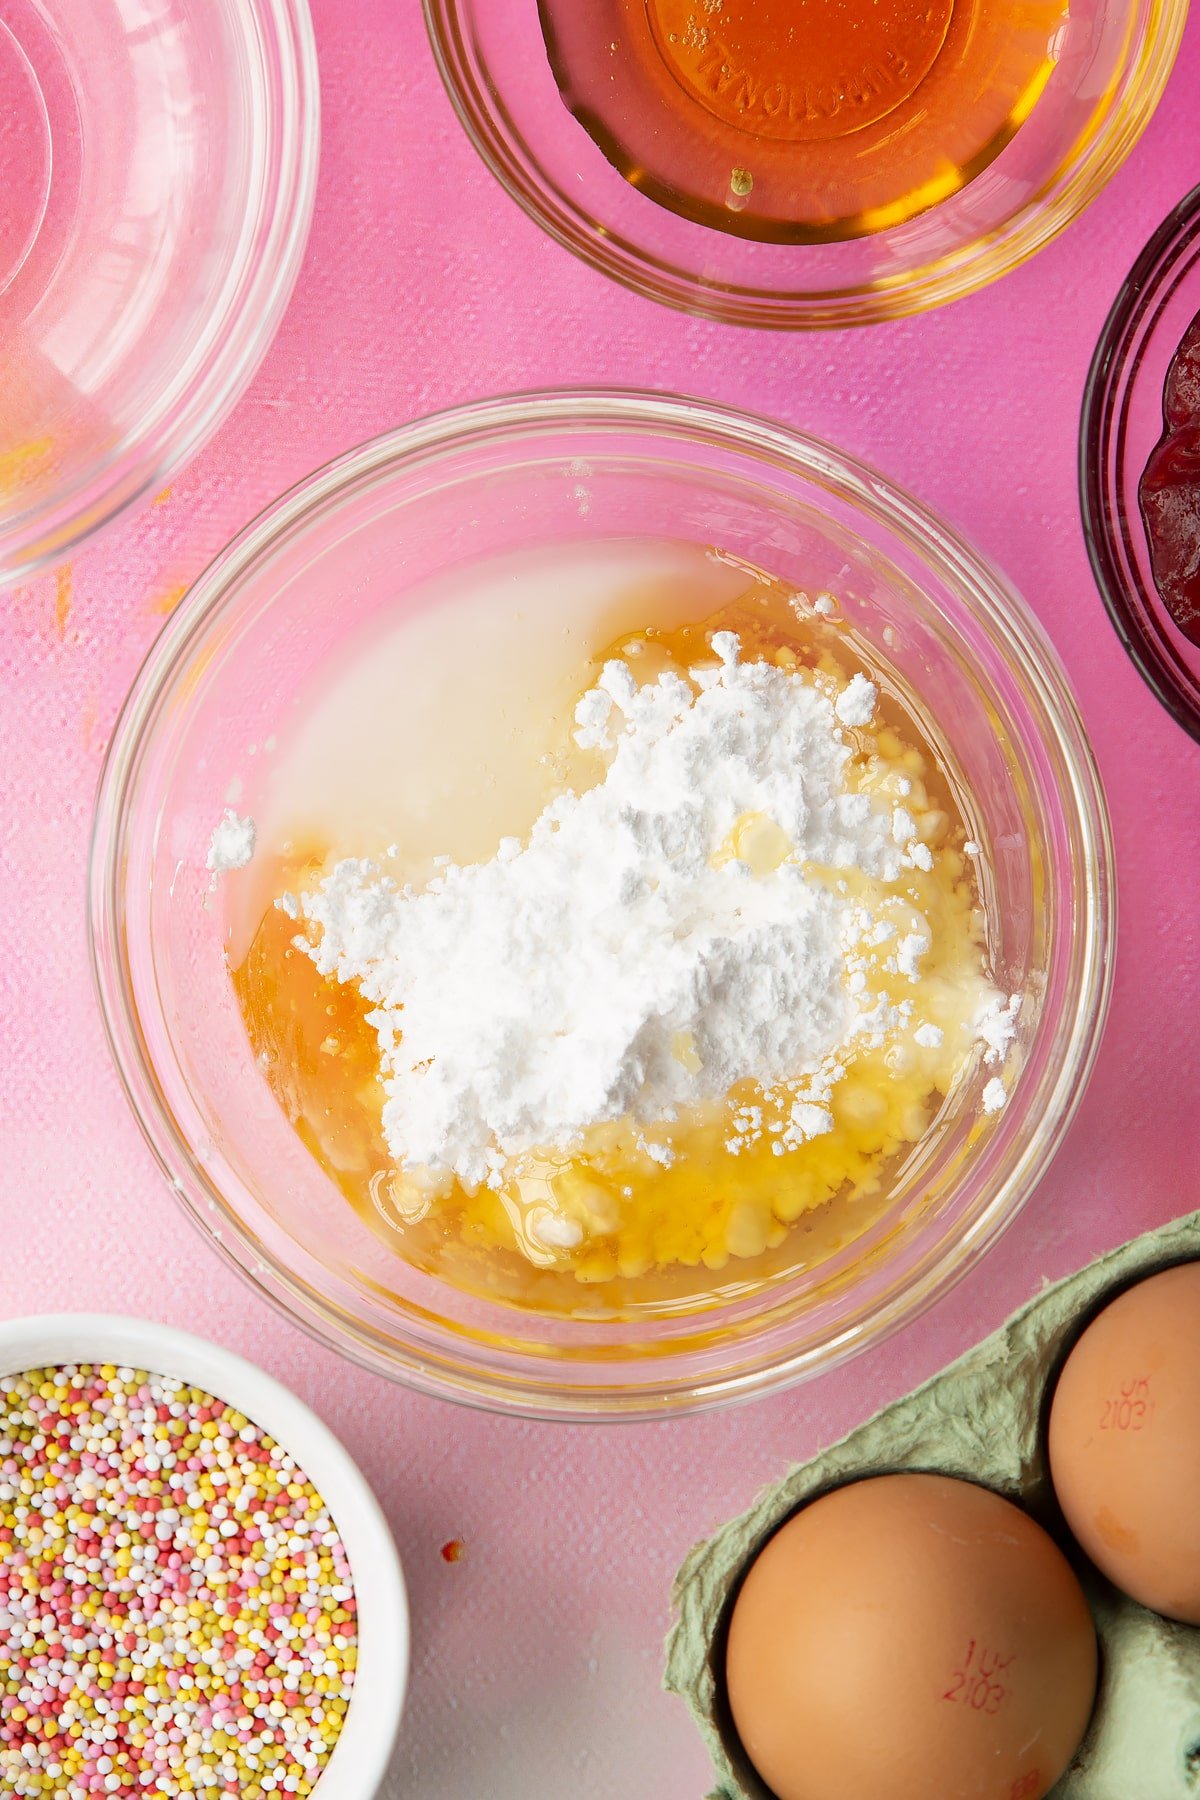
x: 520, y: 1001
x: 232, y: 845
x: 995, y: 1095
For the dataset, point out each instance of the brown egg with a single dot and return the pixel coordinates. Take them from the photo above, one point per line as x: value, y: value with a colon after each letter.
x: 911, y: 1637
x: 1125, y: 1442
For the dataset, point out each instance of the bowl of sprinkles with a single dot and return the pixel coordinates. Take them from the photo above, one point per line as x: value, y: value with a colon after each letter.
x: 198, y: 1591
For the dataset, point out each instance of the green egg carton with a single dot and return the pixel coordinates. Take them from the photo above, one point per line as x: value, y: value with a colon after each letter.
x: 982, y: 1419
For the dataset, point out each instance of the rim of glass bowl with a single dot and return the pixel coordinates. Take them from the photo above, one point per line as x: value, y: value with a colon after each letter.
x: 144, y: 461
x: 1155, y: 38
x: 461, y: 1372
x: 1135, y: 610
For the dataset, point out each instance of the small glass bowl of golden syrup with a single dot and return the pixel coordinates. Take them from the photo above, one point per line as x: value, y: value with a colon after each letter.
x: 771, y: 165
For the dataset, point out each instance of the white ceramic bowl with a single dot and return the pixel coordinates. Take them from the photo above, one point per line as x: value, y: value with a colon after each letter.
x: 364, y: 1749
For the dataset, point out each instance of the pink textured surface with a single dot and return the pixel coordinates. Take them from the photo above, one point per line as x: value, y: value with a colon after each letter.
x: 537, y: 1657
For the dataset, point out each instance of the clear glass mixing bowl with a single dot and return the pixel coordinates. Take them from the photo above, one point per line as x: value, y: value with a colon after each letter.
x: 157, y: 170
x: 343, y: 549
x: 1113, y: 58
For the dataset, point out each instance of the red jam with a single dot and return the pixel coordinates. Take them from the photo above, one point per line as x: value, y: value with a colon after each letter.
x: 1169, y: 491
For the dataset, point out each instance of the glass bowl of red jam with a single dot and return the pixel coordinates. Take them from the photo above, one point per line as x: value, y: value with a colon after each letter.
x: 768, y: 164
x: 1140, y: 464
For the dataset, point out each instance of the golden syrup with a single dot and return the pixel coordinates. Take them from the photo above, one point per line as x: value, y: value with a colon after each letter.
x: 799, y: 121
x: 720, y: 1219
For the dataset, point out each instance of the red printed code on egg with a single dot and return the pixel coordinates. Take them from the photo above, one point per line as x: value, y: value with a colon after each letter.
x: 1026, y: 1787
x: 980, y: 1681
x: 1130, y: 1409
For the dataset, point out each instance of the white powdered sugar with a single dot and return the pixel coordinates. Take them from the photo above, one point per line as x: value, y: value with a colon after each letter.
x: 660, y: 937
x: 995, y: 1025
x: 855, y: 705
x: 232, y: 845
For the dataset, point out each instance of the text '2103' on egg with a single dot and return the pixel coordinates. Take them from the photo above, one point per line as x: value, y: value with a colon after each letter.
x: 1125, y: 1442
x: 911, y: 1637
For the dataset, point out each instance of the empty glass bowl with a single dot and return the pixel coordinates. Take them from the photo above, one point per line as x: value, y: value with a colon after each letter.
x: 339, y: 556
x: 157, y: 171
x: 1122, y: 422
x: 1112, y: 62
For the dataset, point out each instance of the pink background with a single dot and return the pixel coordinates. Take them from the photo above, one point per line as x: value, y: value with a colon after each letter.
x: 537, y: 1657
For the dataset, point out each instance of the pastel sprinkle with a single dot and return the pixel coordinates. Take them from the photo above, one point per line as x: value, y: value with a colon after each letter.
x: 176, y: 1610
